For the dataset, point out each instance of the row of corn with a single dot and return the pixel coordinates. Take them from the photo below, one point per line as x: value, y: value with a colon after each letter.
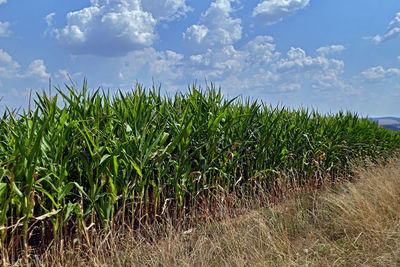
x: 86, y: 160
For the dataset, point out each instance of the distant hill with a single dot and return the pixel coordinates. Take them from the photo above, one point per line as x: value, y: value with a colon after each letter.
x: 391, y: 123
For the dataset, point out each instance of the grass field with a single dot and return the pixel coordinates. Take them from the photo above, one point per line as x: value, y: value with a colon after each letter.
x: 83, y: 164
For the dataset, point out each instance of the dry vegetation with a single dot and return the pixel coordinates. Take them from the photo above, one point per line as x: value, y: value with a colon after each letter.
x: 354, y: 224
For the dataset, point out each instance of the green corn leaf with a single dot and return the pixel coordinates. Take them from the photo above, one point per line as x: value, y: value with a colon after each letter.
x: 3, y: 190
x: 17, y: 191
x: 137, y: 168
x: 104, y: 158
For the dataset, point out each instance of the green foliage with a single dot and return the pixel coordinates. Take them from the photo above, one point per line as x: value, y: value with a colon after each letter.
x: 101, y: 159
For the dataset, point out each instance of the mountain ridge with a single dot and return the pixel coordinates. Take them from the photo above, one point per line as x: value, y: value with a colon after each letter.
x: 392, y: 123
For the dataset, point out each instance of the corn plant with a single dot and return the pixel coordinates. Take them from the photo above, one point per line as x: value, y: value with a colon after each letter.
x: 85, y: 160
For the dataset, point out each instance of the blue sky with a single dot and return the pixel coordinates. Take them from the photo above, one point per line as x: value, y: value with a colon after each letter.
x: 329, y: 55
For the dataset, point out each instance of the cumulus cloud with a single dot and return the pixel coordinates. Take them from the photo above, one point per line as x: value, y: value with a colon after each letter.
x: 210, y: 43
x: 392, y: 32
x: 4, y: 31
x: 49, y: 19
x: 216, y: 28
x: 217, y: 64
x: 212, y: 52
x: 297, y: 59
x: 63, y: 74
x: 162, y: 65
x: 322, y: 72
x: 11, y: 69
x: 108, y: 28
x: 327, y: 50
x: 166, y: 9
x: 289, y: 87
x: 5, y: 57
x: 37, y: 70
x: 261, y: 51
x: 8, y: 66
x: 177, y: 68
x: 379, y: 74
x: 253, y: 58
x: 196, y: 33
x: 221, y: 64
x: 256, y: 65
x: 273, y: 11
x: 167, y: 63
x: 115, y: 27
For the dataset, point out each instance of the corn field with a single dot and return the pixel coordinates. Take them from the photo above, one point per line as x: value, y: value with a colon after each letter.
x: 84, y: 160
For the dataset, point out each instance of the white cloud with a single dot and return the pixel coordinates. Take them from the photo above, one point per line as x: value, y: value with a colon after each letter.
x: 5, y: 57
x: 196, y: 33
x: 3, y: 1
x: 273, y: 11
x: 49, y: 19
x: 169, y: 63
x: 392, y: 32
x: 216, y: 29
x: 115, y: 27
x: 261, y: 51
x: 165, y: 9
x: 63, y: 74
x: 4, y: 29
x: 379, y: 74
x: 253, y: 58
x: 8, y: 66
x: 255, y: 65
x: 37, y: 70
x: 320, y: 72
x: 216, y: 64
x: 66, y: 76
x: 326, y: 50
x: 10, y: 69
x: 288, y: 87
x: 210, y: 43
x: 174, y: 68
x: 212, y: 53
x: 298, y: 60
x: 161, y: 65
x: 108, y: 28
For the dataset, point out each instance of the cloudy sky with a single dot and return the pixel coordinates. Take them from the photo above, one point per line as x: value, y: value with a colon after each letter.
x: 330, y: 55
